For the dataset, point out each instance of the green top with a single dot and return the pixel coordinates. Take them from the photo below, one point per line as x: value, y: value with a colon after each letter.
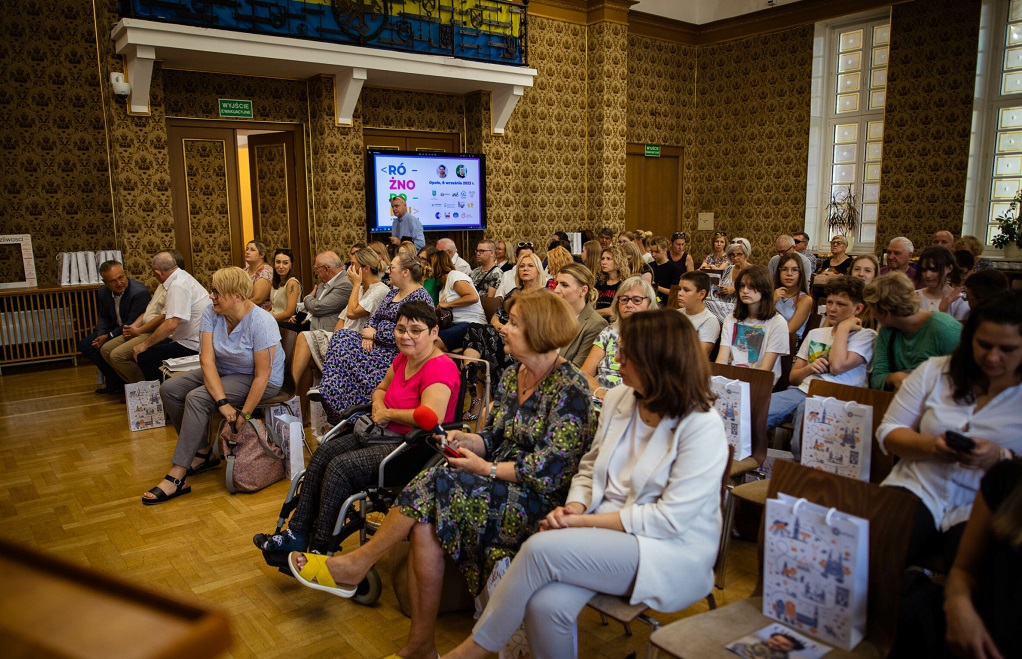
x: 433, y: 286
x: 939, y: 336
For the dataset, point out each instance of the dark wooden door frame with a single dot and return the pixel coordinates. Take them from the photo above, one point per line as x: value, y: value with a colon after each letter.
x: 669, y: 151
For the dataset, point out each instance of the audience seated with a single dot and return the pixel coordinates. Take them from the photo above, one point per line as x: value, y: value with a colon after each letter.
x: 614, y: 269
x: 940, y: 284
x: 665, y: 271
x: 178, y: 334
x: 556, y: 258
x: 692, y: 291
x: 605, y: 236
x: 500, y: 254
x: 943, y: 238
x: 738, y: 251
x: 120, y: 302
x: 907, y: 336
x: 431, y: 271
x: 591, y: 257
x: 509, y: 281
x: 461, y: 265
x: 865, y: 267
x: 601, y: 367
x: 984, y: 285
x: 642, y: 517
x: 838, y: 263
x: 839, y: 353
x: 331, y: 293
x: 790, y: 297
x: 785, y: 245
x: 575, y: 285
x: 459, y: 295
x: 802, y: 247
x: 385, y: 257
x: 974, y: 392
x: 975, y: 247
x: 479, y: 508
x: 636, y: 264
x: 754, y: 334
x: 899, y: 255
x: 486, y: 277
x: 119, y: 351
x: 716, y: 261
x: 355, y: 362
x: 420, y: 375
x: 242, y: 363
x: 286, y: 290
x: 679, y: 252
x: 260, y: 272
x: 981, y: 596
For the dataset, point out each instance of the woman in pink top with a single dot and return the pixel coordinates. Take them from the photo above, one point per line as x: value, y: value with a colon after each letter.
x: 260, y: 272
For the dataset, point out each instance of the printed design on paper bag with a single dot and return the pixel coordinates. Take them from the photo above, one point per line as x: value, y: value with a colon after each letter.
x: 145, y: 408
x: 748, y: 344
x: 836, y: 437
x: 810, y: 576
x: 732, y: 406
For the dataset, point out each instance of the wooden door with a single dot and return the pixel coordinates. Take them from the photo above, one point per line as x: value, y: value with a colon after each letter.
x: 207, y: 208
x: 653, y: 190
x: 276, y: 213
x: 407, y: 140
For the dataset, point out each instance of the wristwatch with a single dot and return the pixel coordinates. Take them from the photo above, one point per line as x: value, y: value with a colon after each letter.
x: 246, y: 415
x: 493, y: 471
x: 220, y: 403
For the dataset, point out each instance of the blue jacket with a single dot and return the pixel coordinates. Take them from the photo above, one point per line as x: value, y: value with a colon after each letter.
x: 133, y: 304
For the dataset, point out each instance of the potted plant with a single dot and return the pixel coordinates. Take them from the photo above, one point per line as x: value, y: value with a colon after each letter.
x: 842, y: 214
x: 1010, y: 237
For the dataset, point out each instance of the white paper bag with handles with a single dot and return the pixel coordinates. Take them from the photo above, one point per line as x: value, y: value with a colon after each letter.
x: 816, y: 570
x: 733, y: 403
x: 145, y: 407
x: 284, y: 423
x: 837, y: 437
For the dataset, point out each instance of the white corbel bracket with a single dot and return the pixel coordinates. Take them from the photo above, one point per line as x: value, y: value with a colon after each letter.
x: 347, y: 87
x: 502, y: 104
x: 138, y: 71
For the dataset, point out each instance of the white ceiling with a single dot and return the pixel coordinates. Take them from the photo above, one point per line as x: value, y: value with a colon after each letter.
x: 704, y: 11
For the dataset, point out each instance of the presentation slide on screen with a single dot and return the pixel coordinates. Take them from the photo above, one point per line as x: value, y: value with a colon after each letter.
x: 443, y: 191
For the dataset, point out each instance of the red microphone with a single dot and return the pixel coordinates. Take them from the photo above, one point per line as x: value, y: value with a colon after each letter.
x: 427, y: 420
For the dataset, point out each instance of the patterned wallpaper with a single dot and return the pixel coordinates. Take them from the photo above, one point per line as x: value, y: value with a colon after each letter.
x: 208, y: 212
x: 752, y: 138
x: 607, y: 106
x: 271, y: 196
x: 55, y: 181
x: 194, y: 95
x: 400, y: 110
x: 930, y: 80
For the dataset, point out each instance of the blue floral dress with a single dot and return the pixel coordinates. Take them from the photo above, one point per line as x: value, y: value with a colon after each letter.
x: 479, y: 521
x: 349, y: 372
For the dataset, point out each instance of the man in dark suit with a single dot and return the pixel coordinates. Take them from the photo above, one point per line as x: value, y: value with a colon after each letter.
x: 120, y: 302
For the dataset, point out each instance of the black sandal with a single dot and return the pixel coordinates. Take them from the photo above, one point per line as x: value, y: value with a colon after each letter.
x: 162, y: 497
x: 209, y: 461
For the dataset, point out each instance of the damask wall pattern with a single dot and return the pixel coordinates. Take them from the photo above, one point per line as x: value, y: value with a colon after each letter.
x: 751, y: 140
x: 607, y: 106
x: 55, y: 181
x: 209, y: 218
x: 270, y: 196
x: 401, y: 110
x: 931, y: 75
x: 195, y: 95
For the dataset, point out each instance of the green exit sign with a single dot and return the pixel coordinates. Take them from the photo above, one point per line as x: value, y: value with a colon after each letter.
x: 652, y: 150
x: 237, y: 109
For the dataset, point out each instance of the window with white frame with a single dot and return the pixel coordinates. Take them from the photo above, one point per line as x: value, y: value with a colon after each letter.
x: 997, y: 118
x: 850, y: 93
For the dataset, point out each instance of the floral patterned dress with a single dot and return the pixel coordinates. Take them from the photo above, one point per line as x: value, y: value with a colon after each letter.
x: 265, y: 271
x: 479, y: 521
x: 349, y: 372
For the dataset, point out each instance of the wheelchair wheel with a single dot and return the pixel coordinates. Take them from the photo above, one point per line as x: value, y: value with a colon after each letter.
x: 370, y: 589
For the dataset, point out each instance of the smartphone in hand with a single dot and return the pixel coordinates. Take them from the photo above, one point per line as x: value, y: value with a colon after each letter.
x: 958, y: 441
x: 443, y: 448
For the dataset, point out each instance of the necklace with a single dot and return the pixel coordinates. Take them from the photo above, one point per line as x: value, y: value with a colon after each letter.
x: 522, y: 389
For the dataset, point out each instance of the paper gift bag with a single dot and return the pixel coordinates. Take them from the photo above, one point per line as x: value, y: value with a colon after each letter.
x: 65, y: 268
x: 836, y: 437
x: 145, y: 407
x: 733, y: 403
x: 286, y: 431
x: 815, y: 570
x: 292, y: 406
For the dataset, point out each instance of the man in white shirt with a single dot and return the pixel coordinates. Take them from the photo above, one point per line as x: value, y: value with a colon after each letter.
x: 839, y: 353
x: 178, y: 334
x: 460, y: 264
x: 784, y: 245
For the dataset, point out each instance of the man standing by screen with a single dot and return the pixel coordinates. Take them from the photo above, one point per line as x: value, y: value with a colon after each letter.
x: 405, y: 224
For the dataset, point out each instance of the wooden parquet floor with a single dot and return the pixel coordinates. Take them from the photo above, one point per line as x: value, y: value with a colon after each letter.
x: 72, y: 478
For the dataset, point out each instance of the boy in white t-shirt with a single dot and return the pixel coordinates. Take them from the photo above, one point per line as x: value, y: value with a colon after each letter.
x: 692, y: 290
x: 839, y: 353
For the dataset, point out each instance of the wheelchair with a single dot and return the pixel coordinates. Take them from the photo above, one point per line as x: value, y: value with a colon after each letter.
x: 396, y: 470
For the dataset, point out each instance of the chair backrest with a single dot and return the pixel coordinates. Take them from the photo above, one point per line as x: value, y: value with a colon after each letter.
x: 880, y: 464
x: 490, y: 305
x: 890, y: 512
x: 760, y: 385
x: 287, y: 341
x: 784, y: 381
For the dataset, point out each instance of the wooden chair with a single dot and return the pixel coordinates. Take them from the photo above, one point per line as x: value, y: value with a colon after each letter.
x: 890, y: 513
x: 760, y: 385
x: 618, y: 607
x: 786, y: 362
x: 490, y: 305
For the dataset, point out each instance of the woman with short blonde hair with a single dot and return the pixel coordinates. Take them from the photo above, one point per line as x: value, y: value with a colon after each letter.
x: 601, y: 366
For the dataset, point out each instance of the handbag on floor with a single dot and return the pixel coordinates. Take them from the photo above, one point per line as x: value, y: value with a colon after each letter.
x: 253, y: 461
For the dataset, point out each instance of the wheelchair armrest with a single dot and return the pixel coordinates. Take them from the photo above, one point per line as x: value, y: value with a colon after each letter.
x: 356, y: 409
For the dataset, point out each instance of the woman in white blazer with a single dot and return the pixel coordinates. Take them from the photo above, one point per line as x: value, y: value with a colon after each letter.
x: 642, y: 517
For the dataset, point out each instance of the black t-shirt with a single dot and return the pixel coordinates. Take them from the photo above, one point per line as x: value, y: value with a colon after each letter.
x: 999, y: 597
x: 605, y: 294
x: 681, y: 264
x: 665, y: 275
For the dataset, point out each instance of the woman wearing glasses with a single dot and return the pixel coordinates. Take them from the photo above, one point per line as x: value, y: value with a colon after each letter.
x: 839, y: 262
x: 420, y: 375
x: 242, y: 363
x: 601, y: 367
x: 355, y: 362
x: 679, y: 252
x: 716, y: 261
x: 738, y: 252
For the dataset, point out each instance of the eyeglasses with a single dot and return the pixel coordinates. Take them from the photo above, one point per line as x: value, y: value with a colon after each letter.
x: 929, y: 268
x: 317, y: 268
x: 483, y: 251
x: 679, y: 234
x: 782, y: 252
x: 414, y: 332
x: 799, y: 241
x: 522, y: 245
x: 215, y: 294
x: 719, y: 233
x: 635, y: 299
